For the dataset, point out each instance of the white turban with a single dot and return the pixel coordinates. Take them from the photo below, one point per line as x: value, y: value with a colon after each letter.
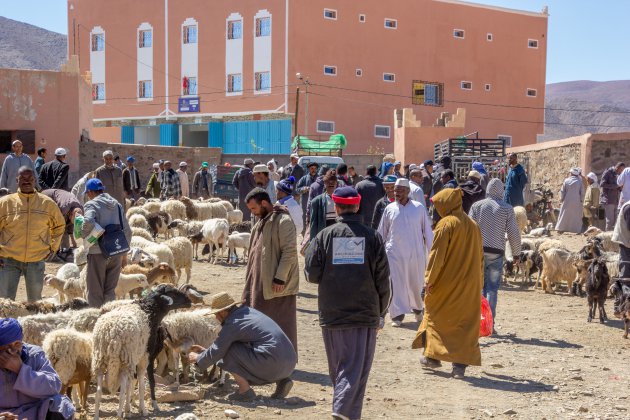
x: 592, y: 176
x: 575, y: 172
x: 402, y: 182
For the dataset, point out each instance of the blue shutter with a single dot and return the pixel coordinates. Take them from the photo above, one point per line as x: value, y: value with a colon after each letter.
x: 430, y: 94
x: 215, y: 134
x: 237, y: 81
x: 148, y: 39
x: 127, y: 134
x: 265, y: 26
x: 169, y: 135
x: 237, y: 29
x: 265, y: 81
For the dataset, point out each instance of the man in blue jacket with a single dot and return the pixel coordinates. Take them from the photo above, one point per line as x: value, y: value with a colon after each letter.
x: 515, y: 182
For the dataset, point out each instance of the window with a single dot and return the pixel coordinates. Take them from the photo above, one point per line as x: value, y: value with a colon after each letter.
x: 98, y: 42
x: 235, y: 29
x: 263, y: 26
x: 27, y: 137
x: 362, y: 18
x: 532, y: 93
x: 235, y: 83
x: 145, y: 89
x: 145, y: 39
x: 330, y: 70
x: 190, y: 85
x: 489, y: 37
x: 466, y: 85
x: 359, y: 72
x: 381, y: 131
x: 330, y: 14
x: 325, y: 126
x: 508, y: 139
x: 98, y: 91
x: 263, y: 81
x: 389, y: 77
x: 190, y: 34
x: 391, y: 23
x: 488, y: 87
x: 458, y: 33
x: 427, y: 93
x: 532, y: 43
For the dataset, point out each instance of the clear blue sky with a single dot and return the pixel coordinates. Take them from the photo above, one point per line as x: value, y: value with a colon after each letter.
x: 587, y: 38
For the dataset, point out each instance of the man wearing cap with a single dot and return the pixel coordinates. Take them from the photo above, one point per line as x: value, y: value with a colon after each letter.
x: 591, y: 202
x: 261, y: 175
x: 41, y: 159
x: 322, y: 207
x: 515, y: 182
x: 317, y: 188
x: 102, y: 273
x: 406, y: 230
x: 272, y: 278
x: 171, y: 187
x: 388, y: 184
x: 12, y: 163
x: 397, y: 172
x: 30, y: 386
x: 54, y: 174
x: 251, y: 347
x: 111, y: 177
x: 154, y: 186
x: 284, y: 193
x: 349, y: 259
x: 472, y: 190
x: 371, y: 191
x: 244, y: 182
x: 131, y: 179
x: 293, y: 169
x: 302, y: 189
x: 31, y: 227
x: 202, y: 185
x: 571, y: 202
x: 609, y: 198
x: 183, y: 179
x: 415, y: 186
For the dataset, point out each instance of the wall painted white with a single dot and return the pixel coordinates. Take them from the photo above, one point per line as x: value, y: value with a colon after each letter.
x: 147, y: 135
x: 97, y: 60
x: 145, y: 58
x: 190, y: 55
x: 262, y: 48
x: 233, y: 53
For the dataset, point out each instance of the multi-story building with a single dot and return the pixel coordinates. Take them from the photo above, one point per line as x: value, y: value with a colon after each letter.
x: 225, y: 73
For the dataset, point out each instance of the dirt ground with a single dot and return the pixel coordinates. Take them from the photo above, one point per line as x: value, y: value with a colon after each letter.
x: 546, y: 362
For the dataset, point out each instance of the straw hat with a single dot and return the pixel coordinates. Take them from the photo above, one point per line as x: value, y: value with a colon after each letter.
x: 221, y: 302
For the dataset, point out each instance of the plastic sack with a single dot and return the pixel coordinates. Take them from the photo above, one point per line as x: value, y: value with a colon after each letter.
x: 485, y: 326
x: 96, y: 233
x: 78, y: 226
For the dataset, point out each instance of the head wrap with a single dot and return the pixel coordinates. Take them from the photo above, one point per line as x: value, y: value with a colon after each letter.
x: 402, y: 182
x: 273, y: 165
x: 474, y: 174
x: 286, y: 185
x: 390, y: 179
x: 10, y: 331
x: 428, y: 162
x: 575, y: 172
x: 478, y: 166
x: 386, y: 167
x: 592, y: 177
x: 346, y: 195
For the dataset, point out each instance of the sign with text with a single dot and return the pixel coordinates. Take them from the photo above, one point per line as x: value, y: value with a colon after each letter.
x: 189, y: 104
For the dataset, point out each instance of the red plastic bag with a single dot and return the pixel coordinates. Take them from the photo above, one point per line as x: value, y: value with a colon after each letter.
x: 485, y: 326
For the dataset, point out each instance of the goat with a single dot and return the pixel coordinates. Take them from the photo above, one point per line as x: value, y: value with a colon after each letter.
x: 621, y: 291
x: 596, y: 289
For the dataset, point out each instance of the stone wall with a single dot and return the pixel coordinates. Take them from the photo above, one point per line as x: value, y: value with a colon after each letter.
x: 605, y: 154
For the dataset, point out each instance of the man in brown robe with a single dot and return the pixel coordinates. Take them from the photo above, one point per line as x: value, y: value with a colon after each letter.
x: 272, y: 279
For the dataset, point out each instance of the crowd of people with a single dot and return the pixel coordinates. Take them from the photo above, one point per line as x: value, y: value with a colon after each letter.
x: 422, y: 243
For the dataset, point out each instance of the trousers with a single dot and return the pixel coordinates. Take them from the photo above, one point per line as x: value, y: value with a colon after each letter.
x: 102, y: 278
x: 10, y: 275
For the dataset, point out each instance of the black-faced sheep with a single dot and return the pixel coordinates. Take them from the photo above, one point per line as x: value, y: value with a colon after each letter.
x: 158, y: 224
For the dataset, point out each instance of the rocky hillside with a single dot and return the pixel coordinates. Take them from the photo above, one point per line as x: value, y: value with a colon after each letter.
x: 26, y: 46
x: 579, y: 107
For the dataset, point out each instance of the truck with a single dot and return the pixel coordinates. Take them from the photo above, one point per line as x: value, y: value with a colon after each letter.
x: 465, y: 150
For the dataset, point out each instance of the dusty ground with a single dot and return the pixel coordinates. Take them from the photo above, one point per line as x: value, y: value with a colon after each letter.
x: 546, y: 362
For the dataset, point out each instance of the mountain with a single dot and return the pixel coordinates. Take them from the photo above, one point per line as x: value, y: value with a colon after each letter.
x: 26, y: 46
x: 582, y: 106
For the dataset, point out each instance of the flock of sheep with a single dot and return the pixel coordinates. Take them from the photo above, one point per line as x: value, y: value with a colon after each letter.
x: 125, y: 339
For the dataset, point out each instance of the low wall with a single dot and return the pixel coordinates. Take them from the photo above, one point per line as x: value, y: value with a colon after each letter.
x: 360, y: 162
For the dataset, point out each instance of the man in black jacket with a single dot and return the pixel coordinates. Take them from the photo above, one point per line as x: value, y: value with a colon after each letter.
x: 371, y: 190
x: 131, y: 179
x: 244, y: 182
x: 302, y: 189
x: 293, y: 169
x: 472, y: 190
x: 388, y: 184
x: 54, y: 174
x: 348, y: 259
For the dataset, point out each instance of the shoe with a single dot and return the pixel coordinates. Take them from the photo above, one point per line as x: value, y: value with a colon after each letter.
x: 283, y: 387
x: 419, y: 316
x: 429, y: 363
x: 396, y: 323
x: 246, y: 396
x: 459, y: 371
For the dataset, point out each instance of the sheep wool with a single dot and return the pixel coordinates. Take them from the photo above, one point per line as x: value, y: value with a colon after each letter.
x: 175, y: 209
x: 138, y: 221
x: 143, y: 233
x: 67, y: 349
x: 161, y: 251
x: 182, y: 250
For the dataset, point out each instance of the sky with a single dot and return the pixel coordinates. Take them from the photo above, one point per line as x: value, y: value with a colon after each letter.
x: 587, y: 38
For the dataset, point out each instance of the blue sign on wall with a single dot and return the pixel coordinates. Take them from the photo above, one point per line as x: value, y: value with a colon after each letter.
x: 189, y: 104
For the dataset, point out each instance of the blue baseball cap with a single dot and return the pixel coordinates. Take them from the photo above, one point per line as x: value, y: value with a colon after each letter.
x: 390, y: 179
x: 93, y: 184
x: 131, y: 159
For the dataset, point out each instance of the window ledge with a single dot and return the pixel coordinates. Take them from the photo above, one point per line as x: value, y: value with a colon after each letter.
x: 239, y: 93
x: 145, y: 99
x: 262, y: 92
x: 98, y: 102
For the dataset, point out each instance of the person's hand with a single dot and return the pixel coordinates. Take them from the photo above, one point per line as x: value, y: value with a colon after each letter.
x: 11, y: 361
x: 278, y: 288
x: 192, y: 357
x: 8, y: 416
x: 427, y: 289
x: 197, y: 349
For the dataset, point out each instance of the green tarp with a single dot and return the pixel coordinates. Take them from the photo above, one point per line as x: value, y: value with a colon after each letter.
x: 334, y: 143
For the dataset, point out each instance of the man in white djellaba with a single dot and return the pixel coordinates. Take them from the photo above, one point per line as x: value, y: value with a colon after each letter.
x: 406, y: 231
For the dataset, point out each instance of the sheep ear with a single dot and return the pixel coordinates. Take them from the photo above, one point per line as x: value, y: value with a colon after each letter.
x: 166, y: 300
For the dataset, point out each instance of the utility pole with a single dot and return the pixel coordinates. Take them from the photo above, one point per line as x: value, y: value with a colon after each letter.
x: 297, y: 109
x: 306, y: 83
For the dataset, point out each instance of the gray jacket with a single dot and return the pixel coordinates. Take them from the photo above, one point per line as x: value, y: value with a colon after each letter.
x: 105, y: 211
x: 8, y: 176
x: 112, y: 180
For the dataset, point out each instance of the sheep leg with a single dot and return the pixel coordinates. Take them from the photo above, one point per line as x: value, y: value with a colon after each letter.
x: 131, y: 385
x: 141, y: 371
x: 591, y: 310
x: 602, y: 312
x: 150, y: 374
x: 175, y: 356
x: 188, y: 274
x: 222, y: 377
x: 84, y: 387
x: 626, y: 324
x: 99, y: 393
x: 122, y: 396
x: 604, y: 307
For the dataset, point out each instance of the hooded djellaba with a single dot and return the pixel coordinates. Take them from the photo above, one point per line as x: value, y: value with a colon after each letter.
x: 453, y: 279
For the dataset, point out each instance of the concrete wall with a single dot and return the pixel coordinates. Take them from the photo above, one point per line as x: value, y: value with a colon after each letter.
x: 57, y: 105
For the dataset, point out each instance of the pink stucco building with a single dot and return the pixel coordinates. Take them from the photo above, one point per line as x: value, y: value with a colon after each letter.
x: 224, y: 73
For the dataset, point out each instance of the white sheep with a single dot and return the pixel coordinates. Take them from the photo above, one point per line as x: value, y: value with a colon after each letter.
x: 70, y: 353
x: 36, y: 327
x: 138, y: 221
x: 73, y: 287
x: 215, y: 233
x: 175, y: 208
x: 521, y: 218
x: 137, y: 210
x: 182, y: 250
x: 607, y: 244
x: 139, y: 256
x: 612, y: 263
x: 143, y: 233
x: 234, y: 216
x: 592, y: 231
x: 186, y: 228
x: 129, y: 282
x: 558, y: 266
x: 228, y: 206
x: 161, y: 251
x: 197, y: 210
x: 84, y: 320
x: 238, y: 240
x: 153, y: 207
x: 540, y: 232
x: 68, y: 271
